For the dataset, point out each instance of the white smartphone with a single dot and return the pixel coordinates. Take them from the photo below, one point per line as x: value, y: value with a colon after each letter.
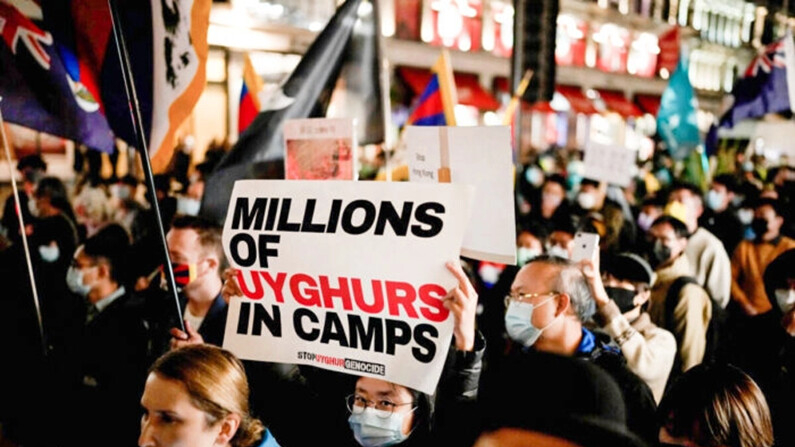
x: 586, y: 246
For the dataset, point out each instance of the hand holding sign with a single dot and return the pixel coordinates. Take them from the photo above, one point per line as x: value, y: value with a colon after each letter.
x: 462, y: 301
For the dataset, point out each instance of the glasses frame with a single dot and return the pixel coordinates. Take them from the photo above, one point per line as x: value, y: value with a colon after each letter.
x: 383, y: 414
x: 526, y: 297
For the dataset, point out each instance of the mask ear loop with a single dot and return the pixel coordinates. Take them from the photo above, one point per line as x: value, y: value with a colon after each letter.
x: 557, y: 317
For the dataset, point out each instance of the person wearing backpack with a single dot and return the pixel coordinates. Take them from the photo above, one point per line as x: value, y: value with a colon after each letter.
x: 692, y: 305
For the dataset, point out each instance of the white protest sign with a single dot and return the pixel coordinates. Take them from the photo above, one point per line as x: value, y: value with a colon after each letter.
x: 611, y: 164
x: 345, y: 276
x: 481, y: 157
x: 319, y: 149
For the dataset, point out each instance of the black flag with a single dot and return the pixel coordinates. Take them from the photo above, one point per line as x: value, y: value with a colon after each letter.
x: 259, y: 153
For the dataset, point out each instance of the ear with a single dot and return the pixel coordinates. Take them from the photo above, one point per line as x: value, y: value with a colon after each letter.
x: 229, y: 426
x: 642, y: 297
x: 564, y: 304
x: 212, y: 262
x: 103, y: 270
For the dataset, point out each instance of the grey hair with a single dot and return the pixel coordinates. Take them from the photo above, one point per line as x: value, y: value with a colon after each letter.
x: 571, y: 281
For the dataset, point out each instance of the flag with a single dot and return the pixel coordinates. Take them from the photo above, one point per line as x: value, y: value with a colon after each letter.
x: 167, y: 45
x: 259, y: 152
x: 765, y: 85
x: 250, y: 104
x: 360, y: 78
x: 40, y: 81
x: 677, y: 122
x: 435, y: 106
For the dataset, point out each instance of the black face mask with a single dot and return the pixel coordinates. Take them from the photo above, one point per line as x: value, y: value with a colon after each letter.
x: 659, y: 253
x: 759, y: 226
x: 624, y: 298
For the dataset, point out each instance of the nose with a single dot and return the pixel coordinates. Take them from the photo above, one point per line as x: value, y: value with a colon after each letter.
x: 146, y: 439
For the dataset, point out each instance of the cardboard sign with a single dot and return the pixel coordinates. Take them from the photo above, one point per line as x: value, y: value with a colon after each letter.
x: 319, y: 149
x: 612, y: 164
x: 477, y: 156
x: 345, y: 276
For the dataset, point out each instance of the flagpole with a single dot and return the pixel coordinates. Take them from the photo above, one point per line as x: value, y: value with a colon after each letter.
x: 135, y: 116
x: 24, y: 235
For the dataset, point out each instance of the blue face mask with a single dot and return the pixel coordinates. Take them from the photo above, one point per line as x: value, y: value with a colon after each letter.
x: 519, y: 322
x: 372, y: 430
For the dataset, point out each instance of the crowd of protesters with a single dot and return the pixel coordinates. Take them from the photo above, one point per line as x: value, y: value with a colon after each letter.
x: 680, y: 332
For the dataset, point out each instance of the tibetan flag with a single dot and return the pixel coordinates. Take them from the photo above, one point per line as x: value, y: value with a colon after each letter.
x: 436, y: 105
x: 249, y: 96
x: 259, y: 153
x: 78, y: 91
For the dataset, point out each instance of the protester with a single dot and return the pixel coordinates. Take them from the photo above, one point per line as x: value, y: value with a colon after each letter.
x: 548, y: 303
x: 106, y: 356
x: 197, y: 257
x: 568, y: 402
x: 692, y: 310
x: 553, y: 203
x: 198, y: 396
x: 32, y: 168
x: 717, y: 406
x: 621, y: 303
x: 708, y: 259
x: 720, y: 217
x: 561, y: 239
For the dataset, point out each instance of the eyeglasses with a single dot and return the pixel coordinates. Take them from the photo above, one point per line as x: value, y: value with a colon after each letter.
x: 526, y: 297
x: 357, y: 404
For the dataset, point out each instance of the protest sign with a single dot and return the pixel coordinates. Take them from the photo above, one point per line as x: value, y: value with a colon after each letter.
x: 319, y: 149
x: 477, y: 156
x: 611, y: 164
x: 345, y: 276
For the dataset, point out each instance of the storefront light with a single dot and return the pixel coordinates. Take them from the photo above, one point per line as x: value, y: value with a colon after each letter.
x: 664, y: 73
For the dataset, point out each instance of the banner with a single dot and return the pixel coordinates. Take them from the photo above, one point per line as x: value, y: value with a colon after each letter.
x: 345, y: 276
x: 490, y: 234
x: 612, y: 164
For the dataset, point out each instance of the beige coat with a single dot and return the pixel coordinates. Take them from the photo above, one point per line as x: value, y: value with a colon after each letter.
x: 691, y: 315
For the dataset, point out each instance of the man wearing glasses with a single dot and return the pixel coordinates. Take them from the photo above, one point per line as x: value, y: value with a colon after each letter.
x: 546, y: 308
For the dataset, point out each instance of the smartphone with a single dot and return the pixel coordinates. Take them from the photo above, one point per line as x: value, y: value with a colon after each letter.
x: 586, y: 246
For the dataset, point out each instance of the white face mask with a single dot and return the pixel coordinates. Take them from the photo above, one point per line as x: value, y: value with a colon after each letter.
x: 49, y: 253
x: 645, y: 221
x: 189, y: 206
x: 557, y: 250
x: 371, y: 429
x: 74, y: 280
x: 746, y: 216
x: 715, y: 199
x: 586, y: 200
x: 525, y: 255
x: 785, y: 299
x: 34, y: 210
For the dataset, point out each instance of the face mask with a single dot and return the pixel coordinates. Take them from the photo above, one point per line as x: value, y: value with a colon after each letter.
x: 372, y: 430
x: 74, y: 280
x: 586, y: 200
x: 184, y: 274
x: 745, y: 216
x: 189, y: 206
x: 759, y: 226
x: 748, y: 166
x: 519, y: 322
x: 534, y: 176
x: 552, y: 200
x: 785, y: 299
x: 525, y: 255
x: 660, y: 252
x: 34, y: 210
x: 624, y: 298
x: 49, y: 253
x: 645, y: 221
x: 737, y: 200
x: 557, y: 250
x: 715, y: 200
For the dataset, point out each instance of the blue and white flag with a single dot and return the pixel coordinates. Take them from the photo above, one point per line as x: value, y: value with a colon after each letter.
x: 677, y: 122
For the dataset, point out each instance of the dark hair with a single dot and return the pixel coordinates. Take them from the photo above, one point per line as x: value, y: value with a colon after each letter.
x: 727, y: 180
x: 773, y: 203
x: 535, y: 228
x: 680, y: 229
x: 209, y: 233
x: 717, y: 405
x: 111, y: 244
x: 695, y: 190
x: 556, y: 178
x: 33, y: 161
x: 129, y: 180
x: 53, y: 189
x: 655, y: 200
x: 587, y: 181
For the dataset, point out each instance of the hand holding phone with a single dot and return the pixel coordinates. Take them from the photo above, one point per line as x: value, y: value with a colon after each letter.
x: 586, y: 246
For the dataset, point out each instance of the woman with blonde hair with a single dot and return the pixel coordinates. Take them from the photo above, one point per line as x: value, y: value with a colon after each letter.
x: 198, y: 396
